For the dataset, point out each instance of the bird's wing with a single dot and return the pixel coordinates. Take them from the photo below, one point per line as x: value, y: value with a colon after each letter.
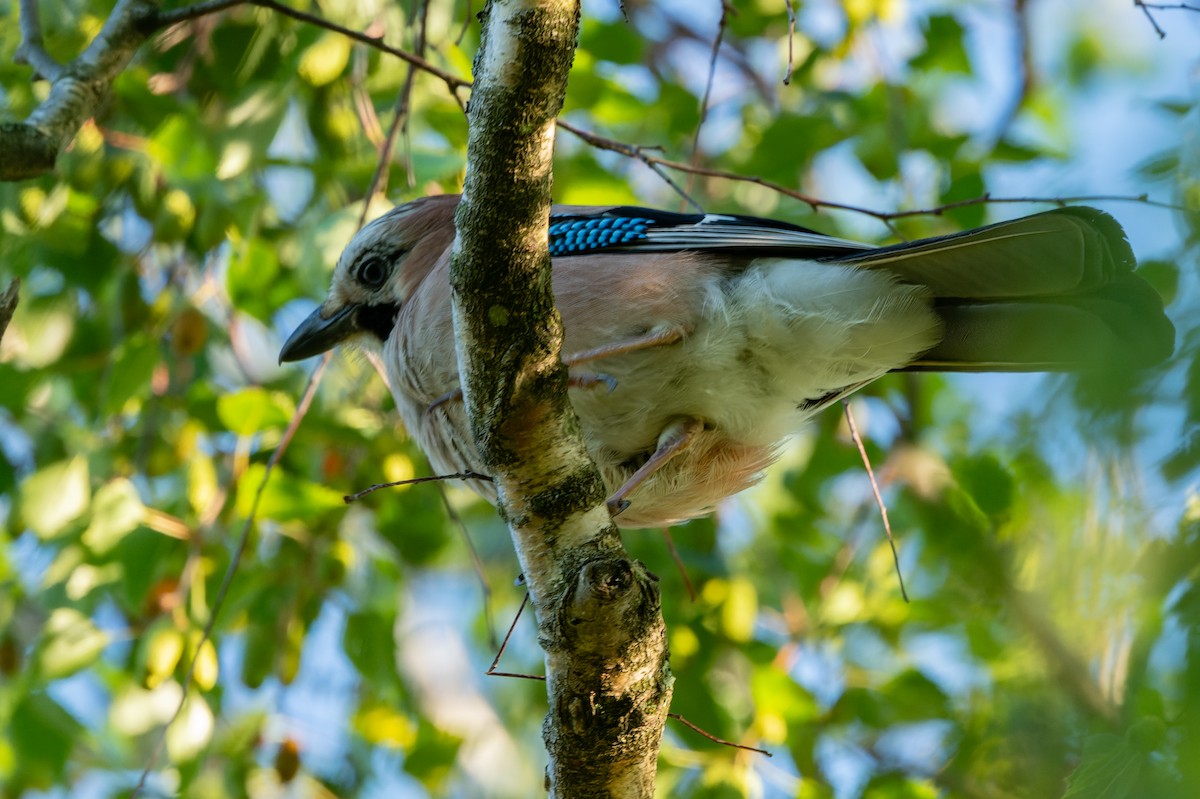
x: 633, y: 229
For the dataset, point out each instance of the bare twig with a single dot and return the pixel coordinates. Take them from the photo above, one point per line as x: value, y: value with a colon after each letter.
x: 645, y: 155
x: 726, y: 10
x: 887, y: 525
x: 791, y: 65
x: 491, y: 670
x: 714, y: 738
x: 453, y: 82
x: 687, y: 581
x: 401, y: 115
x: 414, y: 481
x: 1147, y: 7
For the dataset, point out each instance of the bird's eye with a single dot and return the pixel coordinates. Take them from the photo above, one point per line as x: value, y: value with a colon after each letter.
x: 372, y: 273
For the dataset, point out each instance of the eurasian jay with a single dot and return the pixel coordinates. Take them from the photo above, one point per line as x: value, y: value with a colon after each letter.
x: 720, y: 334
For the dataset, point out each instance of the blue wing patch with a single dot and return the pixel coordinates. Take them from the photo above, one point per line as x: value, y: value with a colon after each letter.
x: 572, y: 235
x: 630, y: 228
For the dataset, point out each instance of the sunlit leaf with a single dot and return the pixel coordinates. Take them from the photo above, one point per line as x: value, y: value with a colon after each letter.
x: 191, y: 731
x: 286, y: 496
x: 324, y: 61
x: 116, y: 511
x: 252, y: 410
x: 55, y: 496
x: 71, y: 642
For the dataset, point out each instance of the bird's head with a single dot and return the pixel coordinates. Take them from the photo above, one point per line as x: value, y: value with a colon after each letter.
x: 378, y: 270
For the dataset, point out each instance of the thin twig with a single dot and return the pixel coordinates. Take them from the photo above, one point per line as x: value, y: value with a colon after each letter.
x: 687, y: 581
x: 414, y: 481
x: 491, y: 671
x: 401, y: 114
x: 1146, y: 7
x: 714, y: 738
x: 887, y: 525
x: 467, y: 17
x: 239, y: 550
x: 453, y: 82
x: 791, y: 15
x: 708, y: 85
x: 815, y: 203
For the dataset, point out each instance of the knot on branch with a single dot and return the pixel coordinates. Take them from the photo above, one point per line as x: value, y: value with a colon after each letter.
x: 612, y: 606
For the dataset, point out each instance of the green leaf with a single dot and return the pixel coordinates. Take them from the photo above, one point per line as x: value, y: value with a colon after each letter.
x: 184, y: 155
x: 285, y: 496
x: 944, y: 48
x: 54, y: 497
x: 116, y: 511
x: 1163, y: 275
x: 71, y: 642
x: 191, y: 732
x: 370, y: 644
x: 252, y: 271
x: 40, y: 330
x: 203, y: 489
x: 132, y: 367
x: 988, y: 482
x: 47, y: 735
x: 1111, y: 764
x: 617, y: 41
x: 254, y: 409
x: 324, y: 61
x: 432, y: 759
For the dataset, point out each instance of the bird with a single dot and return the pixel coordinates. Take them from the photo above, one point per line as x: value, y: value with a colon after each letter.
x: 698, y: 343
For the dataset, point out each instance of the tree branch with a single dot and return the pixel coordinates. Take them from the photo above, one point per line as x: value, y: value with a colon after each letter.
x: 598, y: 613
x: 30, y: 148
x: 31, y: 50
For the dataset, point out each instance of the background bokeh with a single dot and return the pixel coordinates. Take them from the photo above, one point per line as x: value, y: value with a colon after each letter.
x: 1048, y: 526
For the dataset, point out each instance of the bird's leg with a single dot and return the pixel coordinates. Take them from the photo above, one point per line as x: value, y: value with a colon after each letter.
x: 453, y: 395
x: 655, y: 337
x: 573, y: 381
x: 678, y: 436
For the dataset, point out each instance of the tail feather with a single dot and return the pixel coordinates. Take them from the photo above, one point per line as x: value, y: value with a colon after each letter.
x: 1053, y: 291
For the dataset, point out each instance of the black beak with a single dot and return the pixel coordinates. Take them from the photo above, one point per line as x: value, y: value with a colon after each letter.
x: 317, y: 334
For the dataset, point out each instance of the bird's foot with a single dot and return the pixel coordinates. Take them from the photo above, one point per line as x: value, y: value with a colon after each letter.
x: 454, y: 395
x: 591, y: 380
x: 677, y: 437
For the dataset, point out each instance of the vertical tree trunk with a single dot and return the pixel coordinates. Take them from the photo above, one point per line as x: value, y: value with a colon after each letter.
x: 598, y: 613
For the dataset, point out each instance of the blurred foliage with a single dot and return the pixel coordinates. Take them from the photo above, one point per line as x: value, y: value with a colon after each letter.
x: 1051, y: 546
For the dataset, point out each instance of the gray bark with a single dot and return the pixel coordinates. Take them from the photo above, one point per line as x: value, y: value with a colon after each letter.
x: 598, y: 613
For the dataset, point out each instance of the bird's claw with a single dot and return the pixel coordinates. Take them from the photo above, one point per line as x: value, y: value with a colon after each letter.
x: 617, y: 506
x: 591, y: 380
